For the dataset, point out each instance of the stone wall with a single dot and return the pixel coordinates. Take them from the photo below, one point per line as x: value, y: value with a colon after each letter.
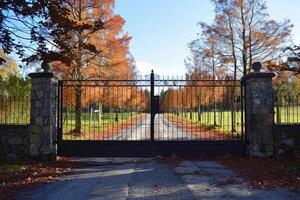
x: 287, y: 139
x: 20, y: 142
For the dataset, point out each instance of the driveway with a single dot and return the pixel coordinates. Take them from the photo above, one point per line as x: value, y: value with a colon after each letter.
x: 150, y: 179
x: 163, y: 129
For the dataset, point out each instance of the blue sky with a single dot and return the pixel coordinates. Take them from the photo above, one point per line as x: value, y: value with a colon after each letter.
x: 161, y: 29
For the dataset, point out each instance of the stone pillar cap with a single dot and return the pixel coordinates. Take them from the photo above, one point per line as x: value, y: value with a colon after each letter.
x: 45, y: 74
x: 260, y: 75
x: 257, y: 66
x: 46, y: 66
x: 41, y: 75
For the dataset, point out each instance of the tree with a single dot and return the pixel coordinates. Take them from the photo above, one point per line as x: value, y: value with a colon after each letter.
x: 8, y: 66
x: 241, y: 34
x: 14, y: 97
x: 208, y: 47
x: 82, y: 38
x: 25, y: 30
x: 246, y: 34
x: 89, y: 42
x: 289, y: 61
x: 133, y: 71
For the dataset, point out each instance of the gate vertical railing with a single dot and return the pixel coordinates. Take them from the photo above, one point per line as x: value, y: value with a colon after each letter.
x: 59, y: 115
x: 242, y: 103
x: 152, y: 112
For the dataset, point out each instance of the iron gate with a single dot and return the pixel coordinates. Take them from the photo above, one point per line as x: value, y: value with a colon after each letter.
x: 149, y: 117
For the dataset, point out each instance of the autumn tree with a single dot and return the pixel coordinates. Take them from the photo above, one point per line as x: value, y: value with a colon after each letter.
x: 246, y: 34
x: 207, y: 44
x: 243, y: 34
x: 8, y: 66
x: 289, y: 61
x: 133, y: 71
x: 91, y: 43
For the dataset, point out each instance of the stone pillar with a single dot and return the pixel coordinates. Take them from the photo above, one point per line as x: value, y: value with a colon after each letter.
x: 259, y: 102
x: 43, y: 111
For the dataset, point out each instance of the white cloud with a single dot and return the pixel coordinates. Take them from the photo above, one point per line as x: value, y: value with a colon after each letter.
x: 146, y: 67
x: 165, y: 71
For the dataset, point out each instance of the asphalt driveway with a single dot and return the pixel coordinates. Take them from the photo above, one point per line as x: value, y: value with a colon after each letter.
x: 152, y: 179
x: 163, y: 128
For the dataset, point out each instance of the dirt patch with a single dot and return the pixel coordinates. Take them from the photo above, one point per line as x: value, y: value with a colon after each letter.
x: 30, y: 174
x: 267, y: 172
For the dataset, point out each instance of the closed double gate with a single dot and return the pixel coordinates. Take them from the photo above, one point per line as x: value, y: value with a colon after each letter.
x: 150, y: 117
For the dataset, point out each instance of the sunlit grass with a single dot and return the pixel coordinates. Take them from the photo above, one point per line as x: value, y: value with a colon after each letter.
x: 219, y: 121
x: 92, y: 129
x: 88, y: 121
x: 287, y: 114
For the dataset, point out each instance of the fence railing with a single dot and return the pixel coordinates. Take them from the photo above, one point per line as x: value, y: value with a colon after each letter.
x: 15, y: 109
x: 207, y: 110
x: 287, y: 109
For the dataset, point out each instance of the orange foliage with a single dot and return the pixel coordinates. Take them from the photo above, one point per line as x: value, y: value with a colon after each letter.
x: 104, y: 56
x: 198, y: 92
x: 110, y: 43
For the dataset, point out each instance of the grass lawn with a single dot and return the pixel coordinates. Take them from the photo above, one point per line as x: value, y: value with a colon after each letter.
x: 223, y: 120
x: 287, y: 114
x: 92, y: 128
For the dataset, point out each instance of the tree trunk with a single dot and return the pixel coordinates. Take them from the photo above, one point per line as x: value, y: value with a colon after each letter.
x: 221, y: 117
x: 117, y: 116
x: 199, y: 112
x: 244, y: 52
x: 235, y: 74
x: 110, y: 114
x: 91, y: 114
x: 214, y: 93
x: 215, y: 114
x: 233, y: 129
x: 99, y: 113
x: 77, y: 110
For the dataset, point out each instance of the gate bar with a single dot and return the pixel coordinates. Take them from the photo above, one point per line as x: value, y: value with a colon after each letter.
x: 152, y: 105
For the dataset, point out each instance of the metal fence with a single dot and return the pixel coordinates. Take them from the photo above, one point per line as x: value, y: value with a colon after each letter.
x: 206, y: 110
x: 122, y: 110
x: 104, y: 110
x: 15, y: 109
x: 287, y: 109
